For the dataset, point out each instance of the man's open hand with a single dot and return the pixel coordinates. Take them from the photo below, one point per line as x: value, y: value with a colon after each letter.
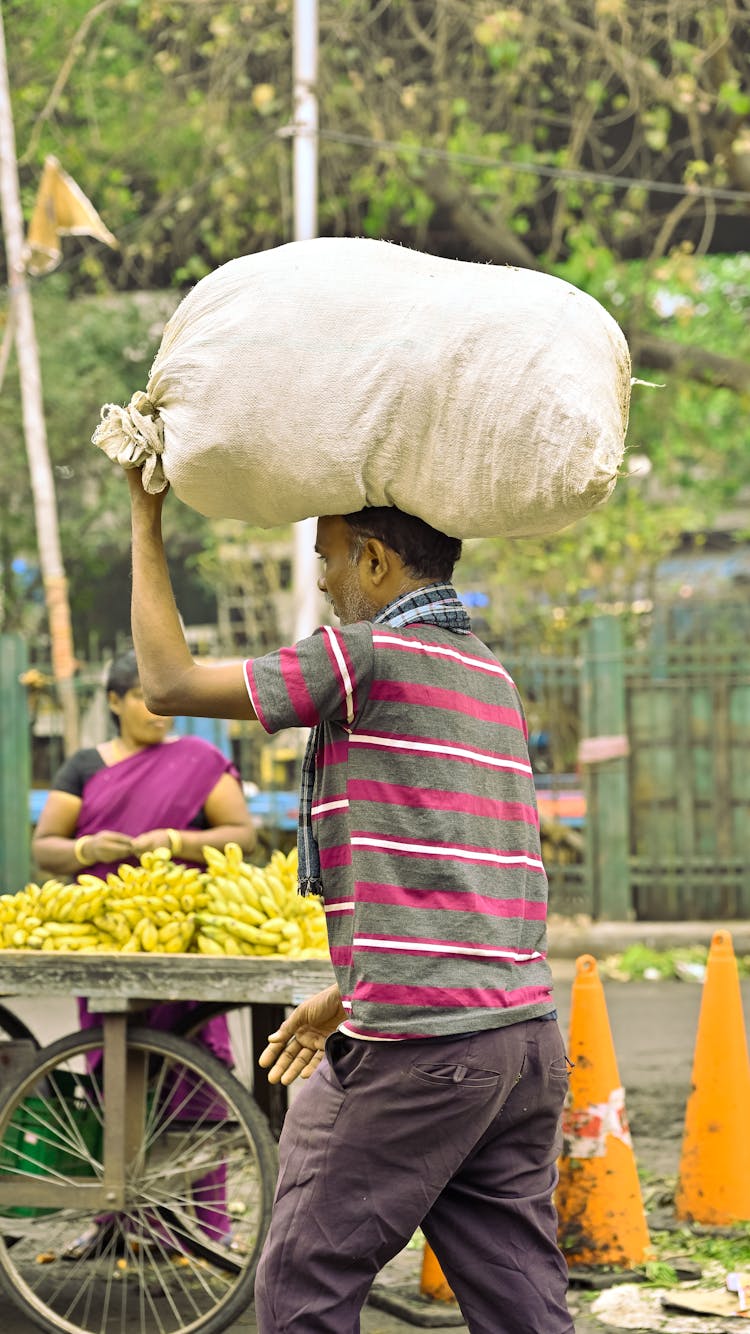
x: 297, y: 1046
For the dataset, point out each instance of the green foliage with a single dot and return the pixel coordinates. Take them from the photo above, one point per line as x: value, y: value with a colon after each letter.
x: 660, y: 1274
x: 159, y: 120
x: 693, y: 438
x: 717, y: 1256
x: 166, y: 113
x: 639, y: 962
x: 460, y: 129
x: 93, y: 350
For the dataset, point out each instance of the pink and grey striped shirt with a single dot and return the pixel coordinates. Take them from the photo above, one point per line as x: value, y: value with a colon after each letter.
x: 425, y: 816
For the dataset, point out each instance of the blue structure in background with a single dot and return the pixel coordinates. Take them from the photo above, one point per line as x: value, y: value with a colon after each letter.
x: 215, y: 730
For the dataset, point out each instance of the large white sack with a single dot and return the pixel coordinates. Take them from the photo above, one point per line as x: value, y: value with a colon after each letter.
x: 331, y: 374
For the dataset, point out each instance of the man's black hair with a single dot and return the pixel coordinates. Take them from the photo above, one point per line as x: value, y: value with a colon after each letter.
x: 121, y: 677
x: 426, y: 553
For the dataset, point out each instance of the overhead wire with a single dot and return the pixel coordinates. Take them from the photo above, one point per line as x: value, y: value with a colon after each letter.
x: 538, y: 168
x: 543, y: 170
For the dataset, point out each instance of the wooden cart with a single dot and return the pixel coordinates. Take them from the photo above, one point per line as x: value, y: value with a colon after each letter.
x: 136, y: 1172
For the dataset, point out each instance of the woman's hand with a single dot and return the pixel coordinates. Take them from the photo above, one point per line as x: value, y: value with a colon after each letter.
x: 107, y: 846
x: 153, y: 838
x: 297, y: 1046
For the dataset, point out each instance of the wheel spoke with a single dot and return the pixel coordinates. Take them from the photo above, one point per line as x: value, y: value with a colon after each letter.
x: 204, y: 1171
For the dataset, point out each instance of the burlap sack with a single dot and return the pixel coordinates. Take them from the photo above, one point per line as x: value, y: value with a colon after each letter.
x: 331, y: 374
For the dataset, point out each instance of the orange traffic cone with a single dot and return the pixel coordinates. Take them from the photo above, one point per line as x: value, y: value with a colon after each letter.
x: 433, y: 1283
x: 601, y: 1216
x: 714, y: 1179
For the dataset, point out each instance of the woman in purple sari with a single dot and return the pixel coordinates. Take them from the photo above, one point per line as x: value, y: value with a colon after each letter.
x: 144, y: 790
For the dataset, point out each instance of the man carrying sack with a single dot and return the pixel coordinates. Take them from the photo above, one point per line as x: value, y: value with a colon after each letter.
x: 436, y: 1070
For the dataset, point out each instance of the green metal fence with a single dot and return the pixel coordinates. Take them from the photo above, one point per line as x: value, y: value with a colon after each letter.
x: 551, y: 690
x: 688, y: 718
x: 641, y: 756
x: 667, y: 778
x: 15, y: 765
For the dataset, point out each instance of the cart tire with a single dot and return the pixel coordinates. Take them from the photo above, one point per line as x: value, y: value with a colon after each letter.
x: 206, y: 1163
x: 191, y: 1024
x: 14, y: 1029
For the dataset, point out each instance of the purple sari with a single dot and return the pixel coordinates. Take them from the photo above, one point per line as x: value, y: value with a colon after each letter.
x: 163, y: 787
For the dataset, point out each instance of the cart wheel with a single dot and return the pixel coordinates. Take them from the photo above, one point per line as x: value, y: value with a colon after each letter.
x: 239, y: 1017
x: 13, y: 1029
x: 244, y: 1035
x: 180, y: 1258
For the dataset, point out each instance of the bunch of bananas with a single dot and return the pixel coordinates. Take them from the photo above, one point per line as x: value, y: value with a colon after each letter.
x: 254, y: 910
x: 230, y: 907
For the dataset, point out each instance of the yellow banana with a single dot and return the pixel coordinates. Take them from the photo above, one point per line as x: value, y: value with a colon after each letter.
x: 65, y: 906
x: 270, y: 905
x: 88, y: 906
x: 171, y: 930
x: 274, y: 924
x: 130, y: 914
x: 68, y: 944
x: 208, y: 946
x: 215, y: 859
x: 268, y: 937
x: 248, y: 889
x: 50, y: 890
x: 114, y: 924
x: 91, y: 882
x: 70, y: 929
x: 233, y: 855
x: 178, y: 944
x: 149, y: 936
x: 250, y: 915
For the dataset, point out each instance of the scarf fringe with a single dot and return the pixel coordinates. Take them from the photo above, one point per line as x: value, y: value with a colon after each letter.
x: 310, y: 888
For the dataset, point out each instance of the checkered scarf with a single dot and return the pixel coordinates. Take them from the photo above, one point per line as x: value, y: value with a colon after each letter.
x: 436, y: 604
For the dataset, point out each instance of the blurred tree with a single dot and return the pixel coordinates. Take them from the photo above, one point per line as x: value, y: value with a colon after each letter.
x: 605, y: 140
x: 517, y: 133
x: 92, y: 349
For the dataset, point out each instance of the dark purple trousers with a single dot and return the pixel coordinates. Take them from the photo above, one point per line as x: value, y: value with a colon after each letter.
x: 460, y: 1137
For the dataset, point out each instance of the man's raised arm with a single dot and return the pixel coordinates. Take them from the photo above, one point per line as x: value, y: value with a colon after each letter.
x: 172, y: 682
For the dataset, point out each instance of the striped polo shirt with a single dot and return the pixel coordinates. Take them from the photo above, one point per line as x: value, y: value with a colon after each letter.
x: 425, y: 815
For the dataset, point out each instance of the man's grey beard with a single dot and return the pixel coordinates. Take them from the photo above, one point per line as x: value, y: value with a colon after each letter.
x: 354, y: 605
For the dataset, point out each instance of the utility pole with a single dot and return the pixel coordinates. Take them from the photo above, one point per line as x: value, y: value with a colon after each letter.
x: 306, y: 598
x: 35, y: 433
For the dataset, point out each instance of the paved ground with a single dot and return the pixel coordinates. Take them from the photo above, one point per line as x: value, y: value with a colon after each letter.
x: 653, y: 1025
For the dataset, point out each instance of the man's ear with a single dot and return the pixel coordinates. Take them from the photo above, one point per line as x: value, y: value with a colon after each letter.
x: 377, y: 560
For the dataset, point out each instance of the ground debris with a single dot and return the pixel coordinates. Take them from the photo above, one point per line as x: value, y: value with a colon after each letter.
x: 631, y: 1306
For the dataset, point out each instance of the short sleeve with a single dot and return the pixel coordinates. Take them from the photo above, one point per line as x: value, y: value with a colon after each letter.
x: 75, y: 772
x: 325, y: 678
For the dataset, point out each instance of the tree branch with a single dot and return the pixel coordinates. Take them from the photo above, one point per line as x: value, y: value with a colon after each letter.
x: 74, y: 50
x: 494, y: 241
x: 695, y: 363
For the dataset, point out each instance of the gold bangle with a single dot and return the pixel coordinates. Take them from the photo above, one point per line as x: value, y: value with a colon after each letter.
x: 78, y: 851
x: 175, y: 841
